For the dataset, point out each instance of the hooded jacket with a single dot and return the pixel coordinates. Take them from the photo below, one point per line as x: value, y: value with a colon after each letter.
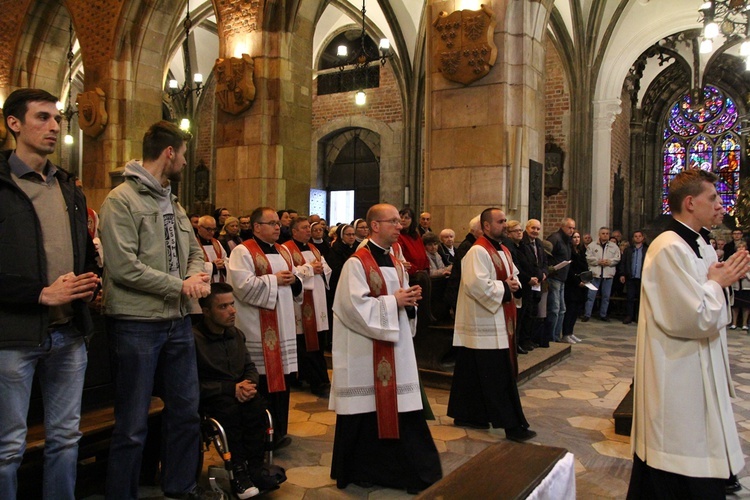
x: 23, y: 264
x: 137, y: 283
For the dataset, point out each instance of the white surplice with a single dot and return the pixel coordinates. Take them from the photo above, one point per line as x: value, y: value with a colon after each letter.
x: 682, y: 414
x: 252, y: 292
x: 359, y: 318
x: 316, y: 283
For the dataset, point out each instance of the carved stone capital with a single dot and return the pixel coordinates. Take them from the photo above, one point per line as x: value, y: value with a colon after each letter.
x: 605, y: 112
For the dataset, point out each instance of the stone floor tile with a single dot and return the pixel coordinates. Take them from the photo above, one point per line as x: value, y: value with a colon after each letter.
x: 610, y: 434
x: 296, y: 397
x: 310, y: 477
x: 598, y: 374
x: 574, y: 394
x: 307, y: 429
x: 541, y: 393
x: 297, y: 416
x: 604, y: 403
x: 447, y: 432
x: 325, y: 418
x: 591, y: 423
x: 613, y: 449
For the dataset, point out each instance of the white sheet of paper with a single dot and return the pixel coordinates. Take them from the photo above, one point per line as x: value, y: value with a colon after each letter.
x: 590, y: 286
x: 536, y: 288
x: 561, y: 265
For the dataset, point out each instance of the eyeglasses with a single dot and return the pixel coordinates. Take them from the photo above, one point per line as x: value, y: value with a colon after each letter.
x: 209, y: 228
x: 272, y: 223
x: 519, y: 230
x: 348, y: 234
x: 395, y: 222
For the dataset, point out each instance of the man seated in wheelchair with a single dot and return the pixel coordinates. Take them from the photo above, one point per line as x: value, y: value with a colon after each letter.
x: 228, y: 392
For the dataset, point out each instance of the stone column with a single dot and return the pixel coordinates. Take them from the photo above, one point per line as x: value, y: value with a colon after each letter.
x: 601, y: 184
x: 472, y: 131
x: 263, y: 154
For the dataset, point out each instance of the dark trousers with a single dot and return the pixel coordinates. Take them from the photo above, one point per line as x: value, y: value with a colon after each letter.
x: 312, y: 364
x: 278, y: 405
x: 244, y: 424
x: 633, y: 294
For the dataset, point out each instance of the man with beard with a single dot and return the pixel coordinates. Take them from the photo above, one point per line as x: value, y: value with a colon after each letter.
x: 153, y: 268
x: 484, y: 390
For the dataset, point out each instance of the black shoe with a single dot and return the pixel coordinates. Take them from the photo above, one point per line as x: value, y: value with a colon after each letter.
x: 519, y: 434
x: 471, y: 425
x: 322, y: 391
x: 604, y: 318
x: 732, y: 485
x: 528, y: 345
x: 585, y: 319
x: 521, y: 350
x: 534, y: 344
x: 198, y: 493
x: 627, y: 320
x: 544, y: 345
x: 242, y: 485
x: 282, y: 442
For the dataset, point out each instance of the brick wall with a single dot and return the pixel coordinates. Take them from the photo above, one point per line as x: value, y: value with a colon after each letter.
x: 383, y: 103
x: 557, y: 128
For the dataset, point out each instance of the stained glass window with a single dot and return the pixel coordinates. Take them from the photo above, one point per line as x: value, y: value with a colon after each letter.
x: 705, y: 138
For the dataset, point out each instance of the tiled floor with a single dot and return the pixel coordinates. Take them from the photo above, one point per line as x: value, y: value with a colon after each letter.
x: 570, y: 405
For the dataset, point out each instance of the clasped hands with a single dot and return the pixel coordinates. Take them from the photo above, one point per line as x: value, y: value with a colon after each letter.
x: 733, y: 269
x: 245, y: 391
x: 408, y: 296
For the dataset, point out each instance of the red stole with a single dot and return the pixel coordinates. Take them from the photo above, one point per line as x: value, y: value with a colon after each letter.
x: 509, y: 308
x: 383, y: 359
x: 309, y: 323
x: 219, y: 255
x: 269, y: 323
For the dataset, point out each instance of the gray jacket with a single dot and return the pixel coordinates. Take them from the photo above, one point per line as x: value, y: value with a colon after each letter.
x: 137, y: 283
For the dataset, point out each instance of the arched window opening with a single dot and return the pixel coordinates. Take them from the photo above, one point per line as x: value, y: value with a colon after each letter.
x: 355, y: 170
x: 332, y: 81
x: 705, y: 138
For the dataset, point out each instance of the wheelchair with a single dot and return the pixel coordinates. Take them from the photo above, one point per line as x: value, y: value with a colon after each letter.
x: 219, y: 477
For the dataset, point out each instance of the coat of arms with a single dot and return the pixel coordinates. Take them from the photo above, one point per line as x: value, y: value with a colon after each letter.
x: 235, y: 90
x: 385, y: 372
x: 464, y: 48
x: 92, y: 114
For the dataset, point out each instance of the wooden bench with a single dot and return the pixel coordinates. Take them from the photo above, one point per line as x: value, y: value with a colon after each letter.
x: 505, y: 470
x: 433, y: 343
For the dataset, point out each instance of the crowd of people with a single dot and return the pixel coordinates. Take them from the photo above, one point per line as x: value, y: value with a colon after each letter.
x: 221, y: 315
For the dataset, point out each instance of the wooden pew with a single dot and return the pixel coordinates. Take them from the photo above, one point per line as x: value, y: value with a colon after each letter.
x: 504, y: 470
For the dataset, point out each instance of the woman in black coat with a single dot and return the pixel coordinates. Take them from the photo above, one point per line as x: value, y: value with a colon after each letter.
x: 575, y: 287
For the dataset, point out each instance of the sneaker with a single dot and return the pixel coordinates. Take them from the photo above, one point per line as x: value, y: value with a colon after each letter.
x: 197, y: 493
x: 575, y: 338
x: 242, y: 485
x: 567, y: 339
x: 733, y: 327
x: 744, y: 327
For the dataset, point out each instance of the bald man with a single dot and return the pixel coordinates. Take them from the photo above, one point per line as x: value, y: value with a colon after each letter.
x: 381, y: 433
x: 212, y: 249
x: 424, y: 223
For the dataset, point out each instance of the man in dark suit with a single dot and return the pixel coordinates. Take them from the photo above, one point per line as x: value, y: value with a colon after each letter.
x: 631, y: 266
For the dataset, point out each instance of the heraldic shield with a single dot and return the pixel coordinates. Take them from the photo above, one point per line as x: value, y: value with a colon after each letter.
x: 235, y: 90
x: 92, y: 115
x: 464, y: 47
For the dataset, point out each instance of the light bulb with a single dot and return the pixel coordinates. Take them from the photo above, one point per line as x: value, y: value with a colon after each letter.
x: 745, y: 48
x: 360, y: 98
x: 59, y: 105
x: 385, y: 44
x: 711, y: 30
x: 185, y: 124
x: 68, y: 139
x: 173, y: 84
x: 198, y: 78
x: 707, y: 46
x: 342, y: 52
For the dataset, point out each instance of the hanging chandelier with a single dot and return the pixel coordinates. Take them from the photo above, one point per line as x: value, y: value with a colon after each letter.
x: 184, y: 93
x: 361, y: 56
x: 67, y: 111
x: 730, y: 18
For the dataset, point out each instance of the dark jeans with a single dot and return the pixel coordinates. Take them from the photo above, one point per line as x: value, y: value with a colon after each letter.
x: 145, y: 356
x: 633, y: 293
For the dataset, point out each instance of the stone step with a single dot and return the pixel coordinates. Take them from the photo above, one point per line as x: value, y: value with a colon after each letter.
x: 623, y: 414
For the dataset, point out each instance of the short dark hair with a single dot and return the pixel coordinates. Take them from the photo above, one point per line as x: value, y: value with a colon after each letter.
x: 257, y: 214
x: 430, y: 238
x: 688, y: 183
x: 296, y: 222
x: 216, y: 289
x: 160, y: 136
x: 486, y: 216
x: 17, y: 103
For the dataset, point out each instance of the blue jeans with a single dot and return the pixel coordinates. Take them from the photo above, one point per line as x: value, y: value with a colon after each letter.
x: 61, y: 361
x: 605, y: 287
x: 555, y: 309
x: 157, y: 354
